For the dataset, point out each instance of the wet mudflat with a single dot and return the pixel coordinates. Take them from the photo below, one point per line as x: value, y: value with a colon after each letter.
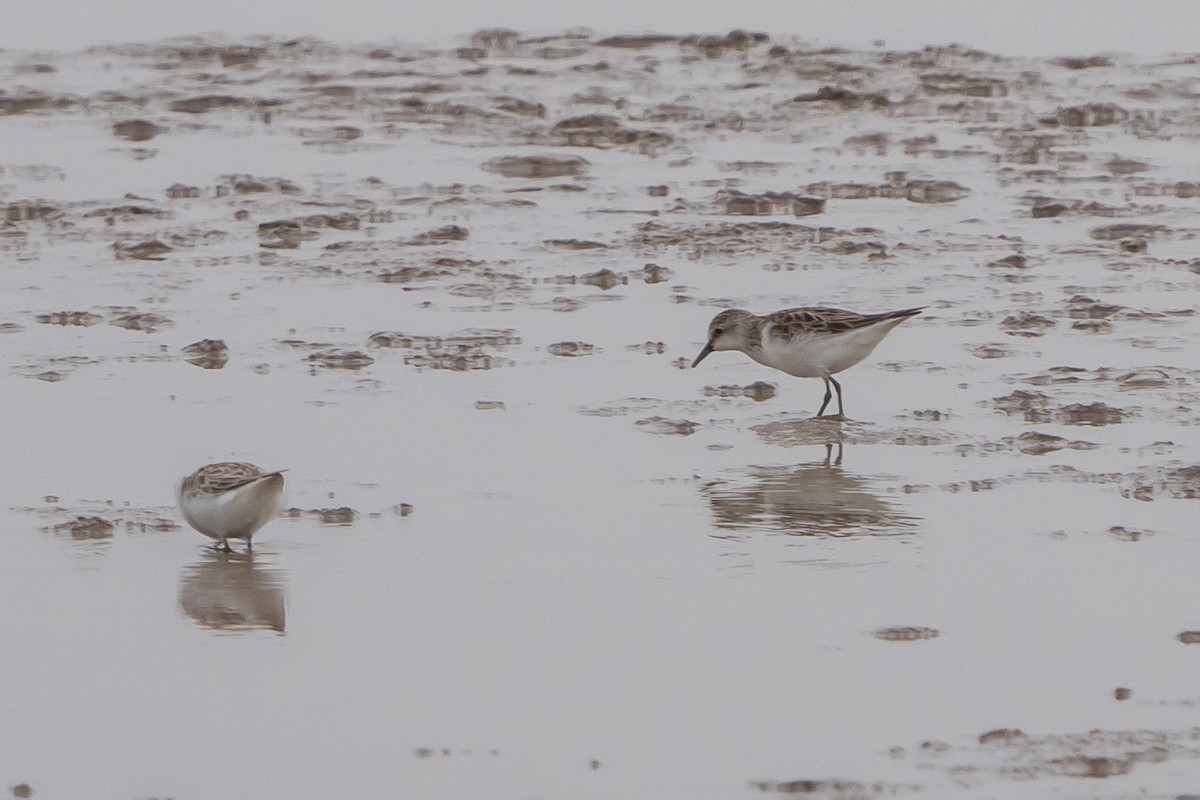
x: 527, y: 551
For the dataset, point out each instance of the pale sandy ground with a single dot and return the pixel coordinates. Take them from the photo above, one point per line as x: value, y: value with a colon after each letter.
x: 620, y: 578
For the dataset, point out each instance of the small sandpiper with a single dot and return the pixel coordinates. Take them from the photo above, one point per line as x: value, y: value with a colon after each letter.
x: 230, y: 500
x: 811, y: 342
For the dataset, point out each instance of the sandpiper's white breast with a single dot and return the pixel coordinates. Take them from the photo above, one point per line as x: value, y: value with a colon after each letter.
x: 814, y: 354
x: 230, y: 513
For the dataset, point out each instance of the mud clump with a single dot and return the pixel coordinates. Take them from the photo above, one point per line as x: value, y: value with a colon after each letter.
x: 352, y: 360
x: 1189, y: 637
x: 207, y: 353
x: 1014, y: 261
x: 147, y: 322
x: 571, y: 349
x: 1027, y: 324
x: 1083, y: 62
x: 759, y: 391
x: 1123, y: 534
x: 737, y: 41
x: 152, y: 250
x: 438, y: 268
x: 575, y: 244
x: 237, y: 56
x: 446, y: 233
x: 737, y: 203
x: 1145, y: 379
x: 79, y: 319
x: 472, y: 337
x: 458, y: 352
x: 127, y: 213
x: 29, y: 211
x: 86, y: 528
x: 663, y: 426
x: 1010, y: 754
x: 1048, y: 210
x: 908, y: 634
x: 603, y: 279
x: 289, y: 233
x: 1083, y: 307
x: 136, y: 130
x: 26, y: 101
x: 242, y: 184
x: 1092, y: 326
x: 1097, y: 767
x: 1181, y: 483
x: 638, y: 41
x: 653, y: 273
x: 604, y: 131
x: 1088, y: 115
x: 208, y: 102
x: 1095, y: 414
x: 1035, y: 443
x: 897, y: 186
x: 845, y: 99
x: 181, y: 191
x: 989, y: 351
x: 729, y: 238
x: 960, y: 84
x: 1129, y: 230
x: 1001, y: 736
x: 337, y: 516
x: 1030, y: 404
x: 935, y: 191
x: 834, y: 789
x: 343, y: 516
x: 541, y: 166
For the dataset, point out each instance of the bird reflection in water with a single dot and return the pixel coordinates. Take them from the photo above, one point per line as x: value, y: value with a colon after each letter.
x: 817, y: 499
x: 233, y: 592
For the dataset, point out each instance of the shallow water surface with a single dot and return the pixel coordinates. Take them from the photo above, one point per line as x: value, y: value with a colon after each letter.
x: 527, y: 551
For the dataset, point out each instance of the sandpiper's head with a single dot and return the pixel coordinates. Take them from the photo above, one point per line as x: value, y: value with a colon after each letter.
x: 727, y: 331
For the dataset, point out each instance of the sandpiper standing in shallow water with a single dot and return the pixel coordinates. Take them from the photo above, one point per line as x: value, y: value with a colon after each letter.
x: 230, y: 500
x: 811, y: 342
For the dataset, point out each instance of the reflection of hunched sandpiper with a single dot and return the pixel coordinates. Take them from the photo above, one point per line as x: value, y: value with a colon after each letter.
x: 230, y: 500
x: 231, y: 591
x: 812, y: 342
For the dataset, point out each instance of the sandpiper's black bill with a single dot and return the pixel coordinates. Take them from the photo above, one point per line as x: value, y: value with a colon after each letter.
x: 707, y: 349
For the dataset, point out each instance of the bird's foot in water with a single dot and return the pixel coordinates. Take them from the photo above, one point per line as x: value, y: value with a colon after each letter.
x: 832, y: 417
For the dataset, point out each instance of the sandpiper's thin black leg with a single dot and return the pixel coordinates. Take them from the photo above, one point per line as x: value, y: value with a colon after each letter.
x: 828, y: 397
x: 838, y: 386
x: 829, y: 454
x: 838, y: 461
x: 224, y: 546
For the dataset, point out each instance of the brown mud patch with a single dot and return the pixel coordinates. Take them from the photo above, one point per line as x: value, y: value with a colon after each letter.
x: 906, y: 634
x: 1010, y: 754
x: 471, y: 349
x: 759, y: 391
x: 342, y: 516
x: 100, y: 520
x: 207, y: 353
